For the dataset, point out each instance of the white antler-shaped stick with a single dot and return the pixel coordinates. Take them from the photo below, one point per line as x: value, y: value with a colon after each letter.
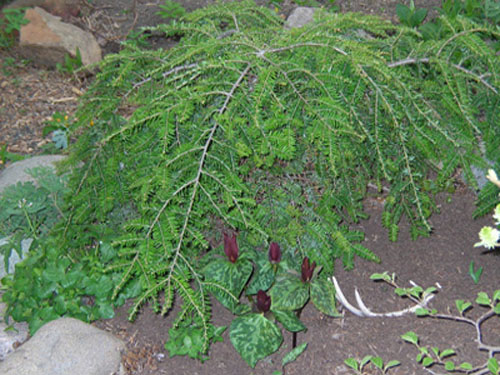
x: 363, y: 311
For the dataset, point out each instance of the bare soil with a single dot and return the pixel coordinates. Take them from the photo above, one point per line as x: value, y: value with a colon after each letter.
x: 29, y: 96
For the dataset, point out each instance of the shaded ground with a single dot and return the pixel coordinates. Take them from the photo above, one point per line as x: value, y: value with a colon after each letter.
x: 29, y: 96
x: 443, y: 258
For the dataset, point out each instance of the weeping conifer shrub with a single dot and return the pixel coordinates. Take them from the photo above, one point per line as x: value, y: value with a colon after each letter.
x: 245, y: 126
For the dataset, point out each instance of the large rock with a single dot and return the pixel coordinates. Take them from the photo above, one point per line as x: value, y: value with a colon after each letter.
x: 46, y: 40
x: 66, y: 346
x: 17, y: 172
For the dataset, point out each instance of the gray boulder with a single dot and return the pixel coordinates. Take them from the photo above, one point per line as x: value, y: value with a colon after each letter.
x: 67, y: 346
x: 17, y: 172
x: 46, y: 40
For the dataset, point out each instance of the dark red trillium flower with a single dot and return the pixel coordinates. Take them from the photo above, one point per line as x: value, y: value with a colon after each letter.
x: 274, y: 253
x: 263, y: 301
x: 231, y: 247
x: 307, y: 270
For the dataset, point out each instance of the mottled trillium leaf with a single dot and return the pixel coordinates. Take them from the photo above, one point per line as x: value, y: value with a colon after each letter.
x: 254, y: 337
x: 323, y: 297
x: 230, y: 277
x: 289, y: 293
x: 263, y: 276
x: 293, y: 354
x: 289, y: 320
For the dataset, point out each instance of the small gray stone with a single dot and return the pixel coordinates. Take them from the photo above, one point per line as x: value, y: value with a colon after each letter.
x: 9, y: 338
x: 66, y: 346
x: 14, y: 256
x: 299, y: 17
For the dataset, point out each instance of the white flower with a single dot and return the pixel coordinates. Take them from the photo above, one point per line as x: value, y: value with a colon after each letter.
x: 492, y: 176
x: 489, y: 238
x: 496, y: 215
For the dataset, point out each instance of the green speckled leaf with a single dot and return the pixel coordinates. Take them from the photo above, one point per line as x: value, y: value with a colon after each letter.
x: 289, y: 320
x: 289, y: 293
x: 293, y: 354
x: 262, y: 279
x: 254, y: 337
x: 323, y: 297
x: 231, y: 277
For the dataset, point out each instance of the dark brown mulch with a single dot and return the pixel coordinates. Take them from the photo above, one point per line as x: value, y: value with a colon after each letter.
x: 29, y: 97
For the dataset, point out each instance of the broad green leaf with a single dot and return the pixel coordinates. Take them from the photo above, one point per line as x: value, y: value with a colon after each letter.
x: 53, y: 273
x: 289, y: 293
x: 462, y: 306
x: 352, y: 363
x: 323, y: 297
x: 72, y: 278
x: 230, y: 276
x: 435, y: 350
x: 493, y: 366
x: 289, y: 320
x: 483, y: 299
x: 107, y: 252
x: 365, y: 360
x: 446, y: 353
x: 430, y: 290
x: 416, y: 291
x: 45, y: 290
x: 403, y: 13
x: 449, y: 366
x: 400, y: 292
x: 380, y: 276
x: 59, y: 305
x: 421, y: 312
x: 262, y: 279
x: 411, y: 337
x: 496, y: 295
x: 379, y: 362
x: 293, y: 354
x: 427, y: 361
x: 496, y: 309
x: 466, y: 366
x: 419, y: 16
x: 106, y: 310
x: 254, y: 337
x: 392, y: 363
